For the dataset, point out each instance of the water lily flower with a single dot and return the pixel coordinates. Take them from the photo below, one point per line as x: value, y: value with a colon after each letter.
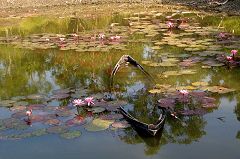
x: 47, y: 39
x: 229, y: 58
x: 170, y: 24
x: 89, y: 101
x: 221, y: 35
x: 116, y: 37
x: 101, y: 36
x: 29, y: 112
x: 75, y: 35
x: 78, y: 102
x: 234, y: 52
x: 183, y: 92
x: 61, y: 39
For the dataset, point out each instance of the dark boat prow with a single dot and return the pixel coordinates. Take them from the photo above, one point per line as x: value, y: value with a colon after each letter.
x: 144, y: 128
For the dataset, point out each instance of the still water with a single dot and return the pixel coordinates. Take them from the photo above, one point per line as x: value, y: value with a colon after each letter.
x: 42, y: 55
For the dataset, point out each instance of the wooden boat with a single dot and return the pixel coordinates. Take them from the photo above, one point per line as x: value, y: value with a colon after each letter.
x: 144, y: 128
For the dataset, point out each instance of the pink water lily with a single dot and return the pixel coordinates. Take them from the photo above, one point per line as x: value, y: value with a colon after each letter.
x: 29, y: 112
x: 234, y: 52
x: 229, y: 58
x: 78, y: 102
x: 89, y: 101
x: 101, y: 36
x: 116, y: 37
x: 170, y: 24
x: 184, y: 92
x: 61, y: 39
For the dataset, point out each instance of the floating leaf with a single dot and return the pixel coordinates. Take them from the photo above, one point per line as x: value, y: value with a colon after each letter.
x: 98, y: 125
x: 57, y: 129
x: 18, y: 108
x: 198, y: 84
x: 52, y: 122
x: 61, y: 91
x: 60, y: 96
x: 96, y: 110
x: 167, y: 102
x: 77, y: 120
x: 36, y: 97
x: 6, y: 103
x: 219, y: 89
x: 111, y: 116
x: 71, y: 134
x: 20, y: 103
x: 187, y: 72
x: 167, y: 64
x: 171, y: 73
x: 37, y: 106
x: 120, y: 124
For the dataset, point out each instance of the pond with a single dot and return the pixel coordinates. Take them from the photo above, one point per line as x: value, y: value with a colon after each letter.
x: 47, y: 62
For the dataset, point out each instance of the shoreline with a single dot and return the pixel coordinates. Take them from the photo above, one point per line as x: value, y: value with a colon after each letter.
x: 230, y: 8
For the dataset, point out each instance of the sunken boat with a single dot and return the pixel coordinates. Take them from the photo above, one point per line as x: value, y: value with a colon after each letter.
x: 141, y: 127
x: 144, y: 128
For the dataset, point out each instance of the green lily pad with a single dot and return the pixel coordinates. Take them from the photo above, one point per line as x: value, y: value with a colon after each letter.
x: 171, y: 73
x: 57, y: 129
x: 198, y: 84
x: 219, y: 89
x: 155, y: 91
x: 21, y: 103
x: 6, y: 103
x: 188, y: 72
x: 36, y: 97
x: 17, y: 124
x: 167, y: 64
x: 61, y: 91
x: 96, y: 110
x: 98, y: 125
x: 71, y: 134
x: 111, y: 116
x: 60, y: 96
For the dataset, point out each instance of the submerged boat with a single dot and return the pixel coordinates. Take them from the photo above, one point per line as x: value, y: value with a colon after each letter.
x: 141, y: 127
x: 144, y: 128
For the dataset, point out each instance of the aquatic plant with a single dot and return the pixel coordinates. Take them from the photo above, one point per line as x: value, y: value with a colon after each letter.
x: 89, y: 101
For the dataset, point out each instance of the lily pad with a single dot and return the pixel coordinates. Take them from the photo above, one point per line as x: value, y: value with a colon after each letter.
x: 57, y: 129
x: 199, y: 84
x: 96, y: 110
x: 77, y: 120
x: 171, y: 73
x: 53, y: 122
x: 37, y: 106
x: 219, y: 89
x: 111, y: 116
x: 21, y: 103
x: 120, y: 124
x: 187, y: 72
x: 60, y: 96
x: 6, y: 103
x: 61, y: 91
x: 71, y: 134
x: 98, y: 125
x: 36, y: 97
x: 18, y: 108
